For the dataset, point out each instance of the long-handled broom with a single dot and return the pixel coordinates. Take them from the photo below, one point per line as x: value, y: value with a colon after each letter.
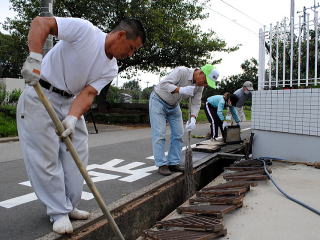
x: 77, y: 160
x: 188, y: 165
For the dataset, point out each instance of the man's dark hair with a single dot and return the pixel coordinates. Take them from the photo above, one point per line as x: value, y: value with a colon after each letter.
x: 234, y: 99
x: 133, y: 28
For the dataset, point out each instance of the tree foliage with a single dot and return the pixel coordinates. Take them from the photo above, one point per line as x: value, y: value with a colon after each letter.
x: 173, y: 36
x: 132, y: 85
x: 146, y: 92
x: 10, y: 56
x: 234, y: 82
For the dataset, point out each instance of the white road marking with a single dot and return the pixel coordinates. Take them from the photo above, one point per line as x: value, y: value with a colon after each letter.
x: 13, y: 202
x: 131, y: 169
x: 86, y: 196
x: 134, y: 175
x: 26, y: 183
x: 99, y: 176
x: 166, y: 153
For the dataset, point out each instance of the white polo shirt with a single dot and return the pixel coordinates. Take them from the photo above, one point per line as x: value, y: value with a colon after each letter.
x: 79, y: 58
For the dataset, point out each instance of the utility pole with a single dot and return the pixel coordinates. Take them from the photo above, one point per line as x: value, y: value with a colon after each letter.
x: 47, y: 11
x: 291, y: 40
x: 304, y: 24
x: 147, y: 83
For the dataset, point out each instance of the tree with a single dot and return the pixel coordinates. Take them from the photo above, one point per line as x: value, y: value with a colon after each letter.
x: 234, y: 82
x: 146, y: 92
x: 174, y: 37
x: 113, y: 95
x: 10, y: 57
x: 131, y: 85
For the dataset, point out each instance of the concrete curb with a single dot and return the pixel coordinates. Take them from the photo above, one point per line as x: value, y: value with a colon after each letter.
x: 9, y: 139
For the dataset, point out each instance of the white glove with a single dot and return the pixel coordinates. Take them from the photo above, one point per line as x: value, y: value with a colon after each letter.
x: 224, y: 124
x: 187, y: 90
x: 228, y: 118
x: 69, y: 124
x: 191, y: 124
x: 31, y: 68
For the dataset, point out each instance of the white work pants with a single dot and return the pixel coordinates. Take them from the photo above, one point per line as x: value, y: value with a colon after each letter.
x: 52, y: 172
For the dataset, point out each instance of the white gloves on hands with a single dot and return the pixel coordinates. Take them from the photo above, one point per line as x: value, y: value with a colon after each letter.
x: 228, y: 118
x: 187, y: 90
x: 224, y: 124
x: 31, y: 68
x: 69, y: 124
x: 191, y: 124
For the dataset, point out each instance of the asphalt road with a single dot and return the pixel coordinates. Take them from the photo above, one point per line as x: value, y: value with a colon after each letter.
x: 120, y: 162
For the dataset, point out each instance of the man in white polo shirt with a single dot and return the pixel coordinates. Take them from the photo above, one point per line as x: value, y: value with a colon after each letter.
x: 72, y: 73
x: 181, y: 83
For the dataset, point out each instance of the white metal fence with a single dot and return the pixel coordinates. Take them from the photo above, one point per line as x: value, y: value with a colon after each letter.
x: 288, y: 53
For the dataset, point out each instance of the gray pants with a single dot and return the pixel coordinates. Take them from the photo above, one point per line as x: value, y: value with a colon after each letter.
x: 241, y: 115
x: 52, y: 172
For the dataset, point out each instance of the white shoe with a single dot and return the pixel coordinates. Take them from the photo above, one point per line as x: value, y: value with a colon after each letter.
x: 79, y: 214
x: 62, y: 225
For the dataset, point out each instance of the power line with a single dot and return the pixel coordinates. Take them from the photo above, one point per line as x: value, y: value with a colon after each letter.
x: 243, y: 13
x: 232, y: 20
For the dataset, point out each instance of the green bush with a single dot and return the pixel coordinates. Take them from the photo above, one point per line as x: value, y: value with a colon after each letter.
x: 118, y: 118
x: 13, y: 96
x: 8, y: 110
x: 113, y: 95
x: 8, y: 126
x: 3, y: 94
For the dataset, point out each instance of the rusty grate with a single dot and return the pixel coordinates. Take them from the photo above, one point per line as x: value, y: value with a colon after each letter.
x: 246, y: 168
x: 244, y: 173
x: 214, y: 210
x: 233, y: 184
x: 222, y: 192
x: 246, y: 178
x: 181, y: 235
x: 223, y: 200
x: 195, y: 223
x: 250, y: 163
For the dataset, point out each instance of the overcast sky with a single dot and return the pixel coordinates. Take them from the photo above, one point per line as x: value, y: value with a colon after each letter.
x: 225, y: 19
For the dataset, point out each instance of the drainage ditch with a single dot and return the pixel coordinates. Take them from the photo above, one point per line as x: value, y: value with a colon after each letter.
x: 140, y: 210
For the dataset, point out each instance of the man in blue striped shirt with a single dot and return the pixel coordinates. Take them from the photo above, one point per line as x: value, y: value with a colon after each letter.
x: 214, y: 107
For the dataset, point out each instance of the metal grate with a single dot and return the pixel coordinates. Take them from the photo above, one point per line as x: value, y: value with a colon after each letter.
x: 196, y: 223
x: 181, y: 235
x: 217, y: 200
x: 234, y: 184
x: 222, y: 192
x: 214, y: 210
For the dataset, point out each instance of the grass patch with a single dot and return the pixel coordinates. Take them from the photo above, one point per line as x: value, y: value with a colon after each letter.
x: 8, y: 126
x: 248, y: 114
x: 202, y: 118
